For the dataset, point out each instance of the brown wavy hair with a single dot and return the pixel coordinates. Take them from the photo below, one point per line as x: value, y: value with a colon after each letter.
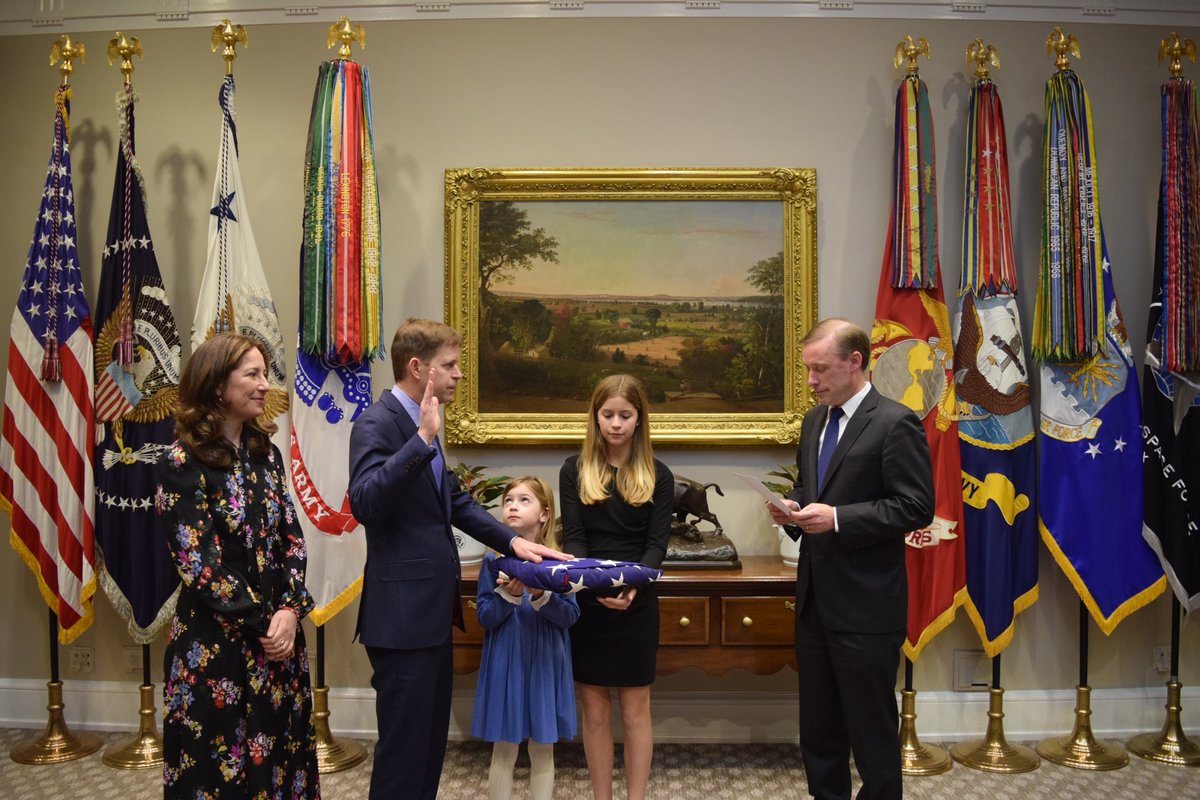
x: 200, y: 412
x: 635, y: 479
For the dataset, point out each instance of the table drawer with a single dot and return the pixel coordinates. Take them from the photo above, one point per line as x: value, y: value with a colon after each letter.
x: 474, y: 632
x: 758, y: 620
x: 683, y: 620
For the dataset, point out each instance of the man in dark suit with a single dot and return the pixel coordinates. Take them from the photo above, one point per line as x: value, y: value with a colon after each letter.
x: 865, y: 481
x: 403, y: 494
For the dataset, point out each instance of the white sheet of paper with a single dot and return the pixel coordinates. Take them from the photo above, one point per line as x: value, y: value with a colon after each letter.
x: 758, y: 486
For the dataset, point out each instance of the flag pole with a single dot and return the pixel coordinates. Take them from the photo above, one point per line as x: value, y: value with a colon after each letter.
x: 1080, y: 749
x: 1170, y: 745
x: 994, y: 753
x: 332, y: 755
x: 916, y: 758
x: 57, y: 743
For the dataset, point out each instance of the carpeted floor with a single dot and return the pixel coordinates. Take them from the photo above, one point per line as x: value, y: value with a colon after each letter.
x: 681, y: 772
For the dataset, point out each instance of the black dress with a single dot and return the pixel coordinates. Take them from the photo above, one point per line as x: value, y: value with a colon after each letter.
x: 616, y: 648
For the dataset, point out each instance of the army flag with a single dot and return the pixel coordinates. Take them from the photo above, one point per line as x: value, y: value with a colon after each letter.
x: 1171, y: 374
x: 1090, y: 496
x: 912, y: 356
x: 339, y: 329
x: 234, y: 295
x: 991, y: 382
x: 137, y: 380
x: 46, y: 478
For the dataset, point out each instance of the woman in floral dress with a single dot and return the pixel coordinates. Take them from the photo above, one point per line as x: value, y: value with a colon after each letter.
x: 238, y: 703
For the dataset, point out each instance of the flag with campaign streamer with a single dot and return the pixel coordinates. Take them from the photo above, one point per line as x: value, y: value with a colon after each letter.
x: 1171, y: 373
x: 339, y: 329
x: 991, y: 381
x: 46, y: 478
x: 1090, y: 494
x: 912, y: 356
x: 234, y: 295
x: 137, y: 389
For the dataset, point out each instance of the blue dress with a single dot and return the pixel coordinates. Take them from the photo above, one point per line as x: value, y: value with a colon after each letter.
x: 525, y: 689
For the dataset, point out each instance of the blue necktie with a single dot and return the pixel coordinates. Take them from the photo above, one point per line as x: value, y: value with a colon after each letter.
x: 439, y: 464
x: 828, y: 443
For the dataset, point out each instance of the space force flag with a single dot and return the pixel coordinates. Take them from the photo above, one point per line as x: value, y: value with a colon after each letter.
x: 991, y: 379
x: 912, y: 354
x: 46, y: 478
x: 1090, y: 495
x: 137, y: 388
x: 340, y: 292
x: 234, y: 295
x: 1171, y: 375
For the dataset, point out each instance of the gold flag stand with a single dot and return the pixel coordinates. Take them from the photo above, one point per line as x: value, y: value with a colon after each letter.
x: 57, y: 743
x: 1080, y: 749
x: 332, y: 755
x: 994, y: 753
x: 1170, y: 745
x: 916, y: 758
x: 146, y: 748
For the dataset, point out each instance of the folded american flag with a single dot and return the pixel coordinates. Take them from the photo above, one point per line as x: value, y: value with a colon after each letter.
x: 578, y: 575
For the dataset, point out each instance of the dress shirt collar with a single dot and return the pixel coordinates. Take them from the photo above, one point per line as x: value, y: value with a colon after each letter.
x: 851, y: 405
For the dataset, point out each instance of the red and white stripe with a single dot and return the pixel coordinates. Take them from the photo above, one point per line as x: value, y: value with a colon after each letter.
x: 46, y: 478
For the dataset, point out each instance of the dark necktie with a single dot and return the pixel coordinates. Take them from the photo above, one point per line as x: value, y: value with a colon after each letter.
x: 439, y: 464
x: 828, y: 443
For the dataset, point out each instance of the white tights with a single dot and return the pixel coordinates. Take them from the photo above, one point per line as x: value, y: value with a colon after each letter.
x: 541, y: 771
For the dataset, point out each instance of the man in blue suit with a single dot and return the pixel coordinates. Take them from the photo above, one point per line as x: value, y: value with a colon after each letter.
x: 401, y: 491
x: 865, y: 481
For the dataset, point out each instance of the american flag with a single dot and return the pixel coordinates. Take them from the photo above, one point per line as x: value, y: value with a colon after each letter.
x: 46, y: 479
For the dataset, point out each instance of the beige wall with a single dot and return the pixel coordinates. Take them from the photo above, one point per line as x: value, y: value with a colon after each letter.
x: 594, y: 92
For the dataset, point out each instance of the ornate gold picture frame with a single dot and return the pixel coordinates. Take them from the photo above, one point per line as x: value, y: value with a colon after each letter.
x: 700, y: 281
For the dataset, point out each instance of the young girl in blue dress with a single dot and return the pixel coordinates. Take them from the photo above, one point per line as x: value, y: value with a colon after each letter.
x: 525, y: 689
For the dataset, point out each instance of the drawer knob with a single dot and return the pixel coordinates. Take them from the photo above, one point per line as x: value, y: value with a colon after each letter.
x: 747, y: 621
x: 684, y: 622
x: 472, y: 604
x: 790, y: 605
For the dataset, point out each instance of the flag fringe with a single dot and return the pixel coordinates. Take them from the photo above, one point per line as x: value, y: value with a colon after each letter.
x: 1106, y: 624
x: 993, y: 647
x: 321, y: 615
x: 939, y: 624
x: 65, y: 635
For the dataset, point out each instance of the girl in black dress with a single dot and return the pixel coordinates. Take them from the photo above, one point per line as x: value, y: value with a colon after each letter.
x: 616, y: 503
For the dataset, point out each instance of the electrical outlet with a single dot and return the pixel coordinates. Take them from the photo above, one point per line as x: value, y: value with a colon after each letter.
x: 1162, y: 658
x: 82, y: 659
x: 972, y: 671
x: 131, y: 658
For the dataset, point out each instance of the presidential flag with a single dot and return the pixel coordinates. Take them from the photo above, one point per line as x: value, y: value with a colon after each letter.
x: 912, y: 356
x: 1171, y: 374
x: 1090, y: 496
x: 340, y: 295
x: 991, y: 380
x: 46, y: 482
x: 234, y: 295
x: 137, y: 380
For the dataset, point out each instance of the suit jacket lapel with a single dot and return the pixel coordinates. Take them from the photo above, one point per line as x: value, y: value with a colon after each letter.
x: 409, y: 429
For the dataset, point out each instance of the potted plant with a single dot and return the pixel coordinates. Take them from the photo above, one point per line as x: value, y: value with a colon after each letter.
x: 789, y: 476
x: 487, y: 492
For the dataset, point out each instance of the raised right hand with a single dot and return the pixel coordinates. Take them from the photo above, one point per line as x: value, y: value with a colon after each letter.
x: 430, y: 420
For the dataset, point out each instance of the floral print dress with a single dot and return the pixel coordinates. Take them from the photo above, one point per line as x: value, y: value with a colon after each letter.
x: 236, y: 724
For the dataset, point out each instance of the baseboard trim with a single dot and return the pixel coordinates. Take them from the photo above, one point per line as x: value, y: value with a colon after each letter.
x: 679, y: 717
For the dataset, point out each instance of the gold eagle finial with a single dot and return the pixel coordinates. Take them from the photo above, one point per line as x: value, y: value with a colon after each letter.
x: 229, y: 36
x: 981, y: 55
x: 67, y: 51
x: 1062, y: 43
x: 125, y: 48
x: 347, y: 33
x: 1174, y: 48
x: 908, y: 50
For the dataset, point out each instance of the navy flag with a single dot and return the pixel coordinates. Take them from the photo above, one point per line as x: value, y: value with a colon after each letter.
x: 137, y: 377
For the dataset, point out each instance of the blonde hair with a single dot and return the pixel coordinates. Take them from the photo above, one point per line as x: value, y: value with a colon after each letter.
x: 540, y: 489
x: 635, y: 479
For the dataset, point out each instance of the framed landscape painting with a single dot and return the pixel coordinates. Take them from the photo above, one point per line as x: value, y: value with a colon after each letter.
x: 701, y: 282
